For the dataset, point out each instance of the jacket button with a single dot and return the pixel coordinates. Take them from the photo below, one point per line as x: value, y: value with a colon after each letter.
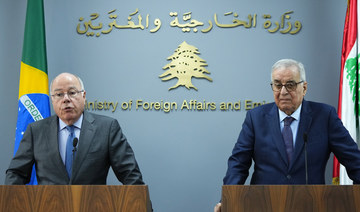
x: 288, y: 177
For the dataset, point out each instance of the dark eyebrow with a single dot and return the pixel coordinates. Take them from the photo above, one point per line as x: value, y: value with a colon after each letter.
x: 290, y: 81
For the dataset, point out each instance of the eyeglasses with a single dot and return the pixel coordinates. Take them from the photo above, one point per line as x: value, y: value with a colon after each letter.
x: 70, y: 93
x: 290, y: 86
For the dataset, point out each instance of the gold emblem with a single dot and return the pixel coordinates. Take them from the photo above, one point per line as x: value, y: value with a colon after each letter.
x: 185, y: 64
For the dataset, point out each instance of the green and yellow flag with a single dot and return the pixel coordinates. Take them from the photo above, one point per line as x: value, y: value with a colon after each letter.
x: 34, y: 85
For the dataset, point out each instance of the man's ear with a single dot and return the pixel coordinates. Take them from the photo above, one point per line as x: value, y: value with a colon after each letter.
x: 305, y: 88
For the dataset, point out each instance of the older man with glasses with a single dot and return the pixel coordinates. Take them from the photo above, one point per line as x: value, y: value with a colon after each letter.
x: 73, y: 146
x: 290, y: 141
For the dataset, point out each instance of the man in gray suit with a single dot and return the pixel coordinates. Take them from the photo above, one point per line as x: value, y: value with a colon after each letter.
x: 73, y: 146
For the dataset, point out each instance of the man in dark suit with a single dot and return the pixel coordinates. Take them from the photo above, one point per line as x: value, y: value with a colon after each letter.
x: 101, y: 144
x: 277, y: 146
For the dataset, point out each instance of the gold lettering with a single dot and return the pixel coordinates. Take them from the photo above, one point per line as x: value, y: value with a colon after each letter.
x: 248, y: 105
x: 184, y: 105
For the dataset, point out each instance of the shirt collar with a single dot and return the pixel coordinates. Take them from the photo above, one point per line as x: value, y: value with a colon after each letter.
x: 77, y: 124
x: 295, y: 115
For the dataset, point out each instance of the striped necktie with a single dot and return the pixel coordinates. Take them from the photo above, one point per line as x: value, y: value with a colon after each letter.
x: 288, y: 137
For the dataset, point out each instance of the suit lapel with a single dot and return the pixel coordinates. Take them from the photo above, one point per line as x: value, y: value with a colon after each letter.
x: 304, y: 126
x: 53, y: 141
x: 273, y: 118
x: 87, y: 133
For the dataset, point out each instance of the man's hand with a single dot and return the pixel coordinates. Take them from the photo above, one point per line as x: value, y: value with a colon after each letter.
x: 217, y: 207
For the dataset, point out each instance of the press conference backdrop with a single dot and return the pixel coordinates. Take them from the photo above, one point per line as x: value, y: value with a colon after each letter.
x: 119, y: 49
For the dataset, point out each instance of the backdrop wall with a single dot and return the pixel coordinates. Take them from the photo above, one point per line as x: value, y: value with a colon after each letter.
x: 182, y: 153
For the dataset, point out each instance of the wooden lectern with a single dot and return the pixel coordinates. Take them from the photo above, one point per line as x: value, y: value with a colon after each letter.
x: 289, y: 198
x: 41, y: 198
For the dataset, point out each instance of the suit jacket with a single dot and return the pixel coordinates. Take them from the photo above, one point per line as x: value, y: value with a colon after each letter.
x: 261, y: 140
x: 101, y: 145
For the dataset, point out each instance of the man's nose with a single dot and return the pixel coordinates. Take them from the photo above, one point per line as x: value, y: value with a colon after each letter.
x: 66, y: 97
x: 283, y: 90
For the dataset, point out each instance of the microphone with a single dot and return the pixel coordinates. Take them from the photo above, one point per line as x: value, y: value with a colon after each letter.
x: 305, y: 137
x: 75, y: 142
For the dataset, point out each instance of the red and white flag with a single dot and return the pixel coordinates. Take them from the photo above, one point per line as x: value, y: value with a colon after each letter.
x: 348, y: 107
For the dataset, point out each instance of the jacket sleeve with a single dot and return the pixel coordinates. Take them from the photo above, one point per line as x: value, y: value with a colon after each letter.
x: 122, y: 157
x: 240, y: 161
x: 344, y: 147
x: 19, y: 171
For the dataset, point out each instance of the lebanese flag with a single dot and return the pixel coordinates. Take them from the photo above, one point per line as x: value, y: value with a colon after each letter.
x: 348, y: 106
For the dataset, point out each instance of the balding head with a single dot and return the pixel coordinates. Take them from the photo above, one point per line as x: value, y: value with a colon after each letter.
x: 68, y: 97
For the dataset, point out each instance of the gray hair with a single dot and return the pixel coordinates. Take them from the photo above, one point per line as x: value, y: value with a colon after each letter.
x: 82, y: 84
x: 78, y: 78
x: 287, y: 63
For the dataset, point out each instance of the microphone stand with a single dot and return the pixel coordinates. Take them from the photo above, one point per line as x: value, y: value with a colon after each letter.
x: 306, y: 162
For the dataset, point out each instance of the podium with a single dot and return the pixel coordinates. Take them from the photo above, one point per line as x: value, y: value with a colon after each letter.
x: 74, y: 198
x: 284, y: 198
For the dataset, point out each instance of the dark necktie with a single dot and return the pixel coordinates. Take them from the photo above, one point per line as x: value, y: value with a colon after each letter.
x: 288, y: 137
x: 69, y: 148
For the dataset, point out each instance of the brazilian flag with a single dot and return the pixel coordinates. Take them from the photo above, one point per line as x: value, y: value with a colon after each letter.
x: 34, y: 85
